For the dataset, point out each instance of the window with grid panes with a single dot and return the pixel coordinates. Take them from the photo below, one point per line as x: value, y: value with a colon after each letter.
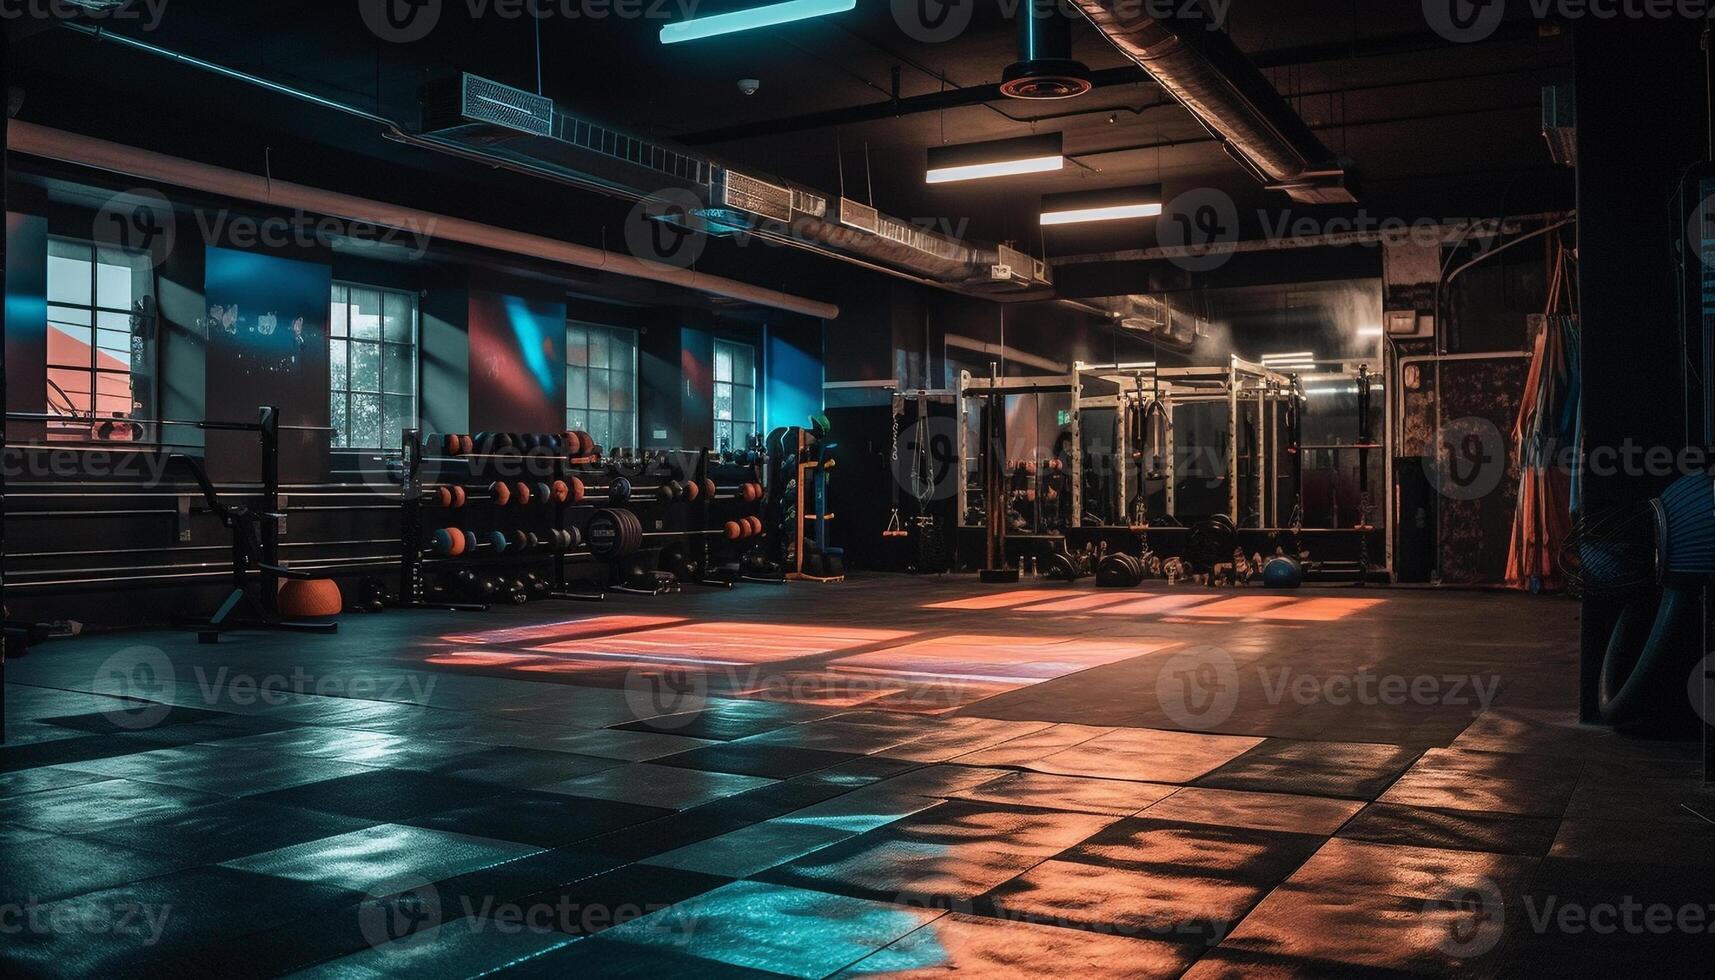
x: 735, y: 394
x: 601, y: 382
x: 100, y: 358
x: 372, y: 366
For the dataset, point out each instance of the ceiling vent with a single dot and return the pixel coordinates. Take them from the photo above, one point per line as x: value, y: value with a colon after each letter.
x: 484, y: 120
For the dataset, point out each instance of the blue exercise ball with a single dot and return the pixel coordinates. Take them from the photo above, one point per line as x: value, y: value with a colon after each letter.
x: 1281, y: 572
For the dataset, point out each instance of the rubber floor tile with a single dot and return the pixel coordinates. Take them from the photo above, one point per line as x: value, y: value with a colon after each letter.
x: 159, y: 926
x: 1257, y: 811
x: 93, y: 806
x: 746, y: 851
x: 387, y: 795
x: 517, y: 768
x: 771, y: 761
x: 358, y: 860
x: 649, y: 784
x: 769, y: 927
x: 1259, y: 857
x: 1459, y: 830
x: 541, y: 819
x: 597, y: 957
x: 227, y: 830
x: 1168, y: 905
x: 958, y: 944
x: 1117, y: 797
x: 50, y: 866
x: 1355, y: 770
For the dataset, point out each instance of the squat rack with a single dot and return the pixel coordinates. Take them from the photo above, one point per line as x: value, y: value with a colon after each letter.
x: 1234, y: 383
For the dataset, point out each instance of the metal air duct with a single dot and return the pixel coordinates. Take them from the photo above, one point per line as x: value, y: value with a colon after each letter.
x: 1201, y: 67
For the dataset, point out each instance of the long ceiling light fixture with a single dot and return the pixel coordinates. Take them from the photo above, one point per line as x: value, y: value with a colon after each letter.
x: 1113, y: 204
x: 996, y: 158
x: 768, y: 15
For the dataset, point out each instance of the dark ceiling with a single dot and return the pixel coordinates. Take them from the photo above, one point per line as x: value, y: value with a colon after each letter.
x: 1437, y: 129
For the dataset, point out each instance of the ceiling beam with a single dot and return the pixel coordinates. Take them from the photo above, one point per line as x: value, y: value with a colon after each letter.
x: 974, y: 95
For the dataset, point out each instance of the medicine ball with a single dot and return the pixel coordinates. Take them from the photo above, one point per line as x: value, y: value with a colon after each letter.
x: 1282, y: 572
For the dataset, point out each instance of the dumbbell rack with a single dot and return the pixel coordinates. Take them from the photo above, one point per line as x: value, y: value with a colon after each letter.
x: 413, y: 591
x: 559, y: 470
x: 561, y: 589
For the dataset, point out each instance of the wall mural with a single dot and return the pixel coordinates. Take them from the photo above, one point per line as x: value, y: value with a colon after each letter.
x: 26, y: 320
x: 517, y: 363
x: 267, y: 325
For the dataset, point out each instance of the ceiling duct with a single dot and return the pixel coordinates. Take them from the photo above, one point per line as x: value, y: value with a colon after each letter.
x: 1201, y: 67
x: 1151, y: 315
x: 482, y: 118
x: 1045, y: 68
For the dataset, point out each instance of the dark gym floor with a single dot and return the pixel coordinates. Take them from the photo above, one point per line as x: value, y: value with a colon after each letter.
x: 891, y: 776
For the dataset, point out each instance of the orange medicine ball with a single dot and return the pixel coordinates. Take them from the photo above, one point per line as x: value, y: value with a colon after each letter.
x: 310, y: 598
x: 501, y: 493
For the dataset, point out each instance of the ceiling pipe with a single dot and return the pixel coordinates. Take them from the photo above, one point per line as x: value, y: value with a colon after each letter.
x: 86, y: 151
x: 1201, y: 67
x: 940, y: 100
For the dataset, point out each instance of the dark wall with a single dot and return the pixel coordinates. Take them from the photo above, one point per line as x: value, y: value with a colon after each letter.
x: 1640, y: 117
x: 491, y: 356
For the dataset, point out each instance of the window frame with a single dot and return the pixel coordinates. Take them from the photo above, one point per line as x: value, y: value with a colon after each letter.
x: 633, y: 340
x: 79, y: 428
x: 412, y: 415
x: 753, y: 386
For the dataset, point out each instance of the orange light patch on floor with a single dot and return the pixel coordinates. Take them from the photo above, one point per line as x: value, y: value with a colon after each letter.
x: 564, y: 630
x: 1078, y: 603
x: 1243, y: 606
x: 722, y: 643
x: 978, y: 657
x: 1000, y: 600
x: 1320, y: 610
x: 478, y: 658
x: 1156, y: 604
x: 824, y: 688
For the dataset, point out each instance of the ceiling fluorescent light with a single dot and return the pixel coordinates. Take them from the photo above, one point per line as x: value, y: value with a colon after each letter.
x: 768, y: 15
x: 1112, y: 204
x: 995, y: 158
